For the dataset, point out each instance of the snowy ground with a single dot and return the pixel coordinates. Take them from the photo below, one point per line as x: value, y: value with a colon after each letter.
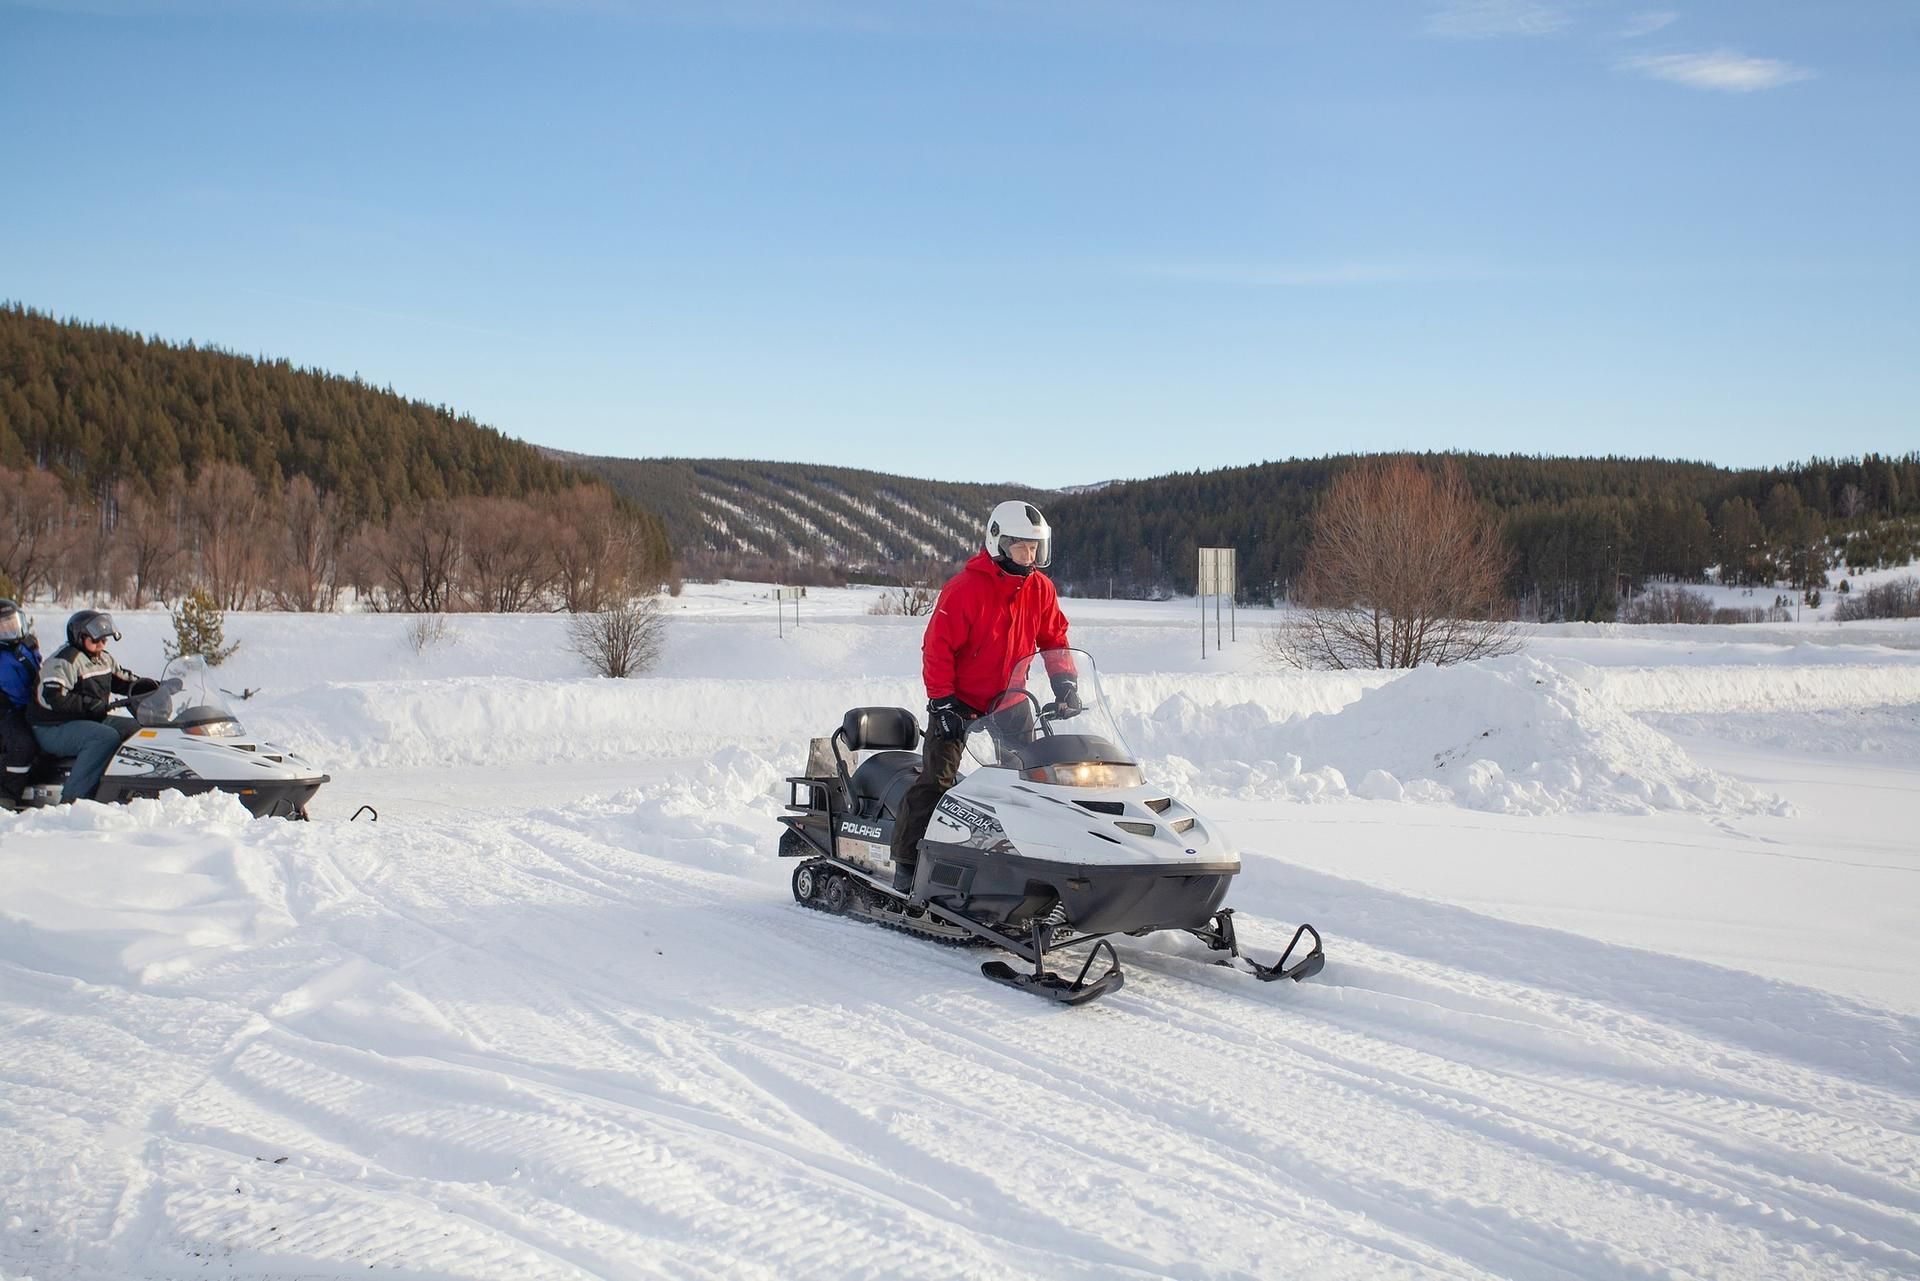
x: 1624, y: 977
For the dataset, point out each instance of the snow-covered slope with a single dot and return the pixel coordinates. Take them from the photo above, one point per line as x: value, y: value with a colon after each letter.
x: 1621, y: 980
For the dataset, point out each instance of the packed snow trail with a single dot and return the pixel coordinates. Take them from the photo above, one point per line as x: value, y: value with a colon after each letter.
x: 556, y: 1015
x: 599, y: 1040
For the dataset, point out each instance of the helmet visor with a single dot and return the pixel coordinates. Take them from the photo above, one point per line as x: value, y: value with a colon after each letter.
x: 1009, y: 544
x: 100, y: 628
x: 10, y: 625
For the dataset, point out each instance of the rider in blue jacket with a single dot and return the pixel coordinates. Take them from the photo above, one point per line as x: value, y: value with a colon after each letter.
x: 19, y: 673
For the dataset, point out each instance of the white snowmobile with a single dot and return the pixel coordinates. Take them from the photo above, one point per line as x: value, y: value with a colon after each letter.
x: 1055, y: 841
x: 183, y: 737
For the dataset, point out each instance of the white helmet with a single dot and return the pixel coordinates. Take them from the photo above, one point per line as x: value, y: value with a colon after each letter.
x: 1015, y: 519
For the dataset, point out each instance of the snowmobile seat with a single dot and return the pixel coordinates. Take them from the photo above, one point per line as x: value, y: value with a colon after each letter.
x: 884, y: 778
x: 880, y: 729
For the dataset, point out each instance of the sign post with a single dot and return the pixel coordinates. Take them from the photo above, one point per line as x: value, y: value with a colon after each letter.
x: 781, y: 595
x: 1218, y: 574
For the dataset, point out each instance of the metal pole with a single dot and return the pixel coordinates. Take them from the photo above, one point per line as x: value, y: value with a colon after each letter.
x: 1233, y: 598
x: 1200, y: 595
x: 779, y: 612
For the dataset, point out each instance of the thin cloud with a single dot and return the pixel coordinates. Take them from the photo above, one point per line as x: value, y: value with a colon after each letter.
x: 1723, y: 69
x: 1645, y: 24
x: 1482, y: 19
x: 1313, y: 275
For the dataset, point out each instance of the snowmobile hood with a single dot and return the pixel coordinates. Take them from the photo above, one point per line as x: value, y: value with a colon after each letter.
x: 995, y: 810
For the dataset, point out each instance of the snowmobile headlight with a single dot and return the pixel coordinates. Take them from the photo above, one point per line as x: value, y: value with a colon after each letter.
x: 214, y: 729
x: 1086, y: 774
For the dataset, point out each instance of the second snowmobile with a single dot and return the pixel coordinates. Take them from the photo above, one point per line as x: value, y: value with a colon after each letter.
x: 183, y: 737
x: 1055, y: 841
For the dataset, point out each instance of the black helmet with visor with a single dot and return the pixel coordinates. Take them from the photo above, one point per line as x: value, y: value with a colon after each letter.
x: 12, y: 626
x: 93, y: 624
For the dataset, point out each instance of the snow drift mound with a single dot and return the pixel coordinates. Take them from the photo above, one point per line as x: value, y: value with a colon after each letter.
x: 1511, y: 735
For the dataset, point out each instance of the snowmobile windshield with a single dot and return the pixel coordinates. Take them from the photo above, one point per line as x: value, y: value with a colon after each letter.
x: 1054, y: 725
x: 197, y: 705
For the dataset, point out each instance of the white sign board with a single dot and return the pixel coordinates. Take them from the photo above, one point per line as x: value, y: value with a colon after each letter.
x: 781, y: 595
x: 1219, y: 573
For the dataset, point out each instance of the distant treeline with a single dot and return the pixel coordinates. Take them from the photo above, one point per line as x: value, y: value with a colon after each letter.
x: 97, y: 406
x: 1582, y: 530
x: 122, y: 426
x: 132, y: 469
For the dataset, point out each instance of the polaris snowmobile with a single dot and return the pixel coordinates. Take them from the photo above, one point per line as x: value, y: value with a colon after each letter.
x: 1055, y: 841
x: 183, y: 737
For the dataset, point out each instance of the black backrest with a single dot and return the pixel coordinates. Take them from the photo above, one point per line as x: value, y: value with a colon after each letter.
x: 890, y: 729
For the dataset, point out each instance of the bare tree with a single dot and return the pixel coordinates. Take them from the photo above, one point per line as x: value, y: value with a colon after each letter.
x: 305, y: 570
x: 413, y: 562
x: 147, y: 545
x: 34, y: 528
x: 509, y: 554
x: 223, y: 512
x: 599, y: 551
x: 1404, y: 569
x: 622, y: 639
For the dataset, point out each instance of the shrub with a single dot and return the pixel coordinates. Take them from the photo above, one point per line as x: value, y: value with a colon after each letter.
x: 912, y: 602
x: 622, y: 640
x: 1669, y: 605
x: 1897, y: 599
x: 427, y: 631
x: 199, y: 628
x: 1753, y: 614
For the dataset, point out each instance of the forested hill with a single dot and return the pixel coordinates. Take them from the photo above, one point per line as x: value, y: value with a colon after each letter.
x: 796, y: 522
x: 118, y: 419
x: 98, y: 405
x: 1581, y: 529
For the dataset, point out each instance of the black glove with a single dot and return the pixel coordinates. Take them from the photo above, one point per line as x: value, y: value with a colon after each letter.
x: 1066, y: 696
x: 143, y: 685
x: 947, y: 718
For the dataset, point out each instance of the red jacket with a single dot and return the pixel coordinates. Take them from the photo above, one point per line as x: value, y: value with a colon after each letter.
x: 985, y: 622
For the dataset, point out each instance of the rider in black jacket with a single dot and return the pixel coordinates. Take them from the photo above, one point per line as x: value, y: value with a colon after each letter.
x: 69, y: 711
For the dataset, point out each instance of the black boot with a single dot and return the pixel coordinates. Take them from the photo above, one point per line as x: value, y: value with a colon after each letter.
x: 903, y: 876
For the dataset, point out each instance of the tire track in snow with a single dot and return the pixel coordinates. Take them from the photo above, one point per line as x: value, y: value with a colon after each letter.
x: 1577, y: 1121
x: 540, y: 1036
x: 571, y: 978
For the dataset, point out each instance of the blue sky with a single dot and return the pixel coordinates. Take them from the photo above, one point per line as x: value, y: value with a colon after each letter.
x: 996, y: 239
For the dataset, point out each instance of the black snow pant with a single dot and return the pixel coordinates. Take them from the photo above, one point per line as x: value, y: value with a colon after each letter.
x: 939, y: 770
x: 17, y: 749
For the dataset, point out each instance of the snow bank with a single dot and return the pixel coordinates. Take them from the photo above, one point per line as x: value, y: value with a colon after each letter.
x: 1514, y: 735
x: 504, y: 720
x: 1749, y: 688
x: 128, y: 894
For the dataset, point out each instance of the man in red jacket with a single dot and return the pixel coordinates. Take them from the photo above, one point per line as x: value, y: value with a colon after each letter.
x: 995, y: 612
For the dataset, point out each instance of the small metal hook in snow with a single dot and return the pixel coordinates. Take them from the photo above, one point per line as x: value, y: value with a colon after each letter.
x: 366, y: 809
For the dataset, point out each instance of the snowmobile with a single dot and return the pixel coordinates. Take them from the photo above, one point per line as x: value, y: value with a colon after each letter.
x: 1055, y: 841
x: 183, y: 737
